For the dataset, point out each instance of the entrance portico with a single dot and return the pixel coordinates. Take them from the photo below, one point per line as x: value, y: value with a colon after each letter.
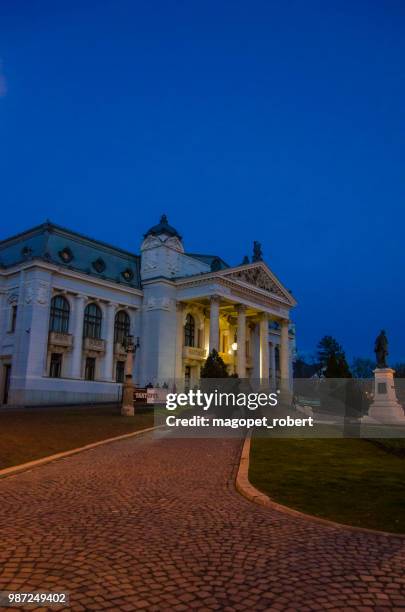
x: 234, y: 316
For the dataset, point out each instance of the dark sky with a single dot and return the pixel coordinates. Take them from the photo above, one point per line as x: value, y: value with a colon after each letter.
x: 281, y: 122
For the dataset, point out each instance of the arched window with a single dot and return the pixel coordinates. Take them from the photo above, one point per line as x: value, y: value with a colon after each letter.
x: 122, y: 326
x: 189, y: 331
x: 92, y: 321
x: 60, y: 310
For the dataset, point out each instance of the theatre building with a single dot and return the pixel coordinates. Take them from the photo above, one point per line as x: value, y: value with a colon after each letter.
x: 68, y: 303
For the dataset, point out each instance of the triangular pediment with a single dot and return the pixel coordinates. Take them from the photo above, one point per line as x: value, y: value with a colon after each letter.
x: 260, y: 276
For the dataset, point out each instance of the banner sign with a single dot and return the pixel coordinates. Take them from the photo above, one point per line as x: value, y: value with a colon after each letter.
x: 140, y: 395
x: 150, y: 395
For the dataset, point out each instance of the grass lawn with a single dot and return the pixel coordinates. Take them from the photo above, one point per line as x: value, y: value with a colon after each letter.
x: 350, y: 481
x: 38, y: 432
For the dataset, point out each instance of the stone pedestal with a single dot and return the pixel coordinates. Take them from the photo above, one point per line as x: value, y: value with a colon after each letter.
x: 127, y: 408
x: 385, y: 408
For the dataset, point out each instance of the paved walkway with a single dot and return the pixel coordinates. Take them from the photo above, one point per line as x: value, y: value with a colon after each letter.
x: 156, y: 524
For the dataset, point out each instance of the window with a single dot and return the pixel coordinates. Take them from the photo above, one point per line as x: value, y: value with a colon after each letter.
x: 60, y: 311
x: 92, y: 321
x: 55, y: 369
x: 90, y: 369
x: 13, y: 319
x: 120, y: 372
x: 189, y: 331
x: 121, y: 326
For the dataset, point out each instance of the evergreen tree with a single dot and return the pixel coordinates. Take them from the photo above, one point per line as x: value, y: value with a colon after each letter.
x: 214, y: 366
x: 326, y: 347
x: 337, y: 366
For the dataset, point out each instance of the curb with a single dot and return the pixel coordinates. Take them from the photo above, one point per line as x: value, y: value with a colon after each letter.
x: 247, y: 490
x: 23, y: 467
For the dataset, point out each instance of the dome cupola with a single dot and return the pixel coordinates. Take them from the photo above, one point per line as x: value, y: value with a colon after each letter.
x: 163, y: 227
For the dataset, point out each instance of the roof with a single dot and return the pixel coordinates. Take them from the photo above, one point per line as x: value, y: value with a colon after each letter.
x: 69, y: 249
x: 162, y: 227
x: 216, y: 263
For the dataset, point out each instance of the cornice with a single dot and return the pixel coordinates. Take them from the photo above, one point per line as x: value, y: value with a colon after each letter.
x: 75, y: 274
x: 238, y: 288
x: 159, y: 279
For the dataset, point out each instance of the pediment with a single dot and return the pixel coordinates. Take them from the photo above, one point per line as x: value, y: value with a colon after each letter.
x: 259, y: 276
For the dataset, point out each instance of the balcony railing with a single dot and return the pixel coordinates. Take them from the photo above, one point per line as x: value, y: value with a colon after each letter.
x: 94, y: 344
x: 60, y: 340
x: 194, y: 352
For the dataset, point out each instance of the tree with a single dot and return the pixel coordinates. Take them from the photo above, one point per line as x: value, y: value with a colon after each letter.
x: 304, y: 369
x: 214, y: 366
x: 362, y: 367
x: 326, y: 347
x: 332, y: 358
x: 337, y: 366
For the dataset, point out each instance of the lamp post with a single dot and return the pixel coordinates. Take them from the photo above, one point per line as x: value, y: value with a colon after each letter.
x: 127, y: 407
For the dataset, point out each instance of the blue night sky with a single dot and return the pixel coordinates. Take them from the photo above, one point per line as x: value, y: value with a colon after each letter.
x: 281, y: 122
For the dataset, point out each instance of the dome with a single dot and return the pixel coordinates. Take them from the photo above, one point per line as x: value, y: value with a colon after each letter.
x: 163, y: 227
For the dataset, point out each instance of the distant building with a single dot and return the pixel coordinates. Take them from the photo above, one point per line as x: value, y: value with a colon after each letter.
x: 68, y: 302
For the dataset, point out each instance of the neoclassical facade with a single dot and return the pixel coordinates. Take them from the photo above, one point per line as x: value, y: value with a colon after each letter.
x: 68, y: 304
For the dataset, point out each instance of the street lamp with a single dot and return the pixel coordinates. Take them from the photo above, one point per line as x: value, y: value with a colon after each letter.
x: 234, y: 344
x: 127, y: 408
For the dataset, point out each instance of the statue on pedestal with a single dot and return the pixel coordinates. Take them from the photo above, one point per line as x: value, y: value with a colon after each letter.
x: 385, y: 408
x: 381, y: 350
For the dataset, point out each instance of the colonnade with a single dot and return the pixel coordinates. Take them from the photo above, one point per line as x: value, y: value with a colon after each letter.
x: 265, y: 357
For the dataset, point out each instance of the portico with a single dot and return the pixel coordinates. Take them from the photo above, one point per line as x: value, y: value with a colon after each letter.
x: 245, y: 323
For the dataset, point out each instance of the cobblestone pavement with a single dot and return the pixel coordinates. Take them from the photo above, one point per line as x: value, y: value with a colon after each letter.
x: 156, y: 524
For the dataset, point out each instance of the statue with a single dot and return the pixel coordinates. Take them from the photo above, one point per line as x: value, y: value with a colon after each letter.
x: 257, y: 252
x: 215, y: 264
x: 381, y: 350
x: 385, y: 408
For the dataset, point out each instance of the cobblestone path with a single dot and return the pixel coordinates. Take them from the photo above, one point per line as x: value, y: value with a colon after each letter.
x: 156, y: 524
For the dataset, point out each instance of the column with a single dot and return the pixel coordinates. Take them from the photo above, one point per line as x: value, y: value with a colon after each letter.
x: 255, y: 347
x: 273, y: 364
x: 241, y: 339
x: 264, y: 348
x: 107, y: 363
x: 214, y: 323
x: 77, y: 330
x: 178, y: 374
x: 284, y: 355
